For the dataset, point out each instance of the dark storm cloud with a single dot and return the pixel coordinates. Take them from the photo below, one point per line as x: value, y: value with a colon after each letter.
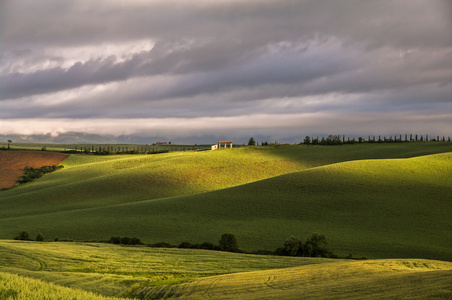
x: 406, y: 23
x: 223, y: 58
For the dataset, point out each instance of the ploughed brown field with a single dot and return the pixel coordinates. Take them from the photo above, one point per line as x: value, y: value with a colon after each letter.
x: 12, y: 163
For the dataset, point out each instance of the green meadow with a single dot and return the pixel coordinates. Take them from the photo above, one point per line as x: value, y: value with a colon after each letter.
x: 379, y: 201
x: 60, y: 270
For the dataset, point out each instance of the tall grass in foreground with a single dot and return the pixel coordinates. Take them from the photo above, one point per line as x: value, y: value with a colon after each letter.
x: 380, y: 279
x: 150, y: 273
x: 16, y: 287
x: 111, y: 269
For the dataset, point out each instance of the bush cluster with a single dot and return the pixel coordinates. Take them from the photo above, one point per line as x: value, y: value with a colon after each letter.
x: 25, y: 236
x: 31, y: 173
x: 314, y: 246
x: 125, y: 240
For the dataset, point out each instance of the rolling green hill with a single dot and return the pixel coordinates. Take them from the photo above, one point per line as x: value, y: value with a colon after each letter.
x: 96, y: 181
x: 86, y: 270
x: 377, y: 279
x: 115, y: 270
x: 374, y: 208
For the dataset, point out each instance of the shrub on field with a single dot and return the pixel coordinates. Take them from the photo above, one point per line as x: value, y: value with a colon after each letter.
x: 115, y: 240
x: 162, y: 245
x: 207, y: 246
x: 204, y: 246
x: 292, y: 247
x: 39, y: 237
x: 185, y: 245
x: 23, y: 236
x: 135, y: 241
x: 125, y: 240
x: 228, y: 242
x: 33, y: 173
x: 315, y: 246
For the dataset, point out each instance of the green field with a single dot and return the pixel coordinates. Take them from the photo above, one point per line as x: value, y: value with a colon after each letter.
x: 114, y: 270
x: 86, y: 270
x: 380, y: 201
x: 368, y: 205
x: 377, y: 279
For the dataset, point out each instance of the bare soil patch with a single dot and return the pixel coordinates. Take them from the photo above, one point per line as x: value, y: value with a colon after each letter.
x: 12, y: 163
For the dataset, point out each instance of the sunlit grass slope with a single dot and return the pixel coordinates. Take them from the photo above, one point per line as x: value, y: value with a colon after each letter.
x: 77, y: 270
x: 372, y: 208
x: 378, y: 279
x: 97, y: 181
x: 114, y: 270
x: 22, y: 288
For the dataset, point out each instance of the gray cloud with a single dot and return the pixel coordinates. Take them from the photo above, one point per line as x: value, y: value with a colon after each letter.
x: 84, y: 59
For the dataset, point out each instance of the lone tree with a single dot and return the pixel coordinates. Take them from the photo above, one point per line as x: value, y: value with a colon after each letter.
x: 39, y: 237
x: 228, y: 242
x: 23, y: 236
x: 251, y: 142
x: 9, y: 142
x: 292, y: 247
x: 315, y: 245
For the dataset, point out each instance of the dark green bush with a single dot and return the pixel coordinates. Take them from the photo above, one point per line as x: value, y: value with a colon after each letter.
x: 185, y: 245
x: 31, y: 173
x: 115, y: 240
x: 125, y: 240
x: 228, y: 242
x: 315, y: 246
x: 39, y: 237
x: 162, y: 245
x: 23, y: 236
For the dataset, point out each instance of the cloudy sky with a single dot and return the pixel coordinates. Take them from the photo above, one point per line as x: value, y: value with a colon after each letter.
x: 226, y: 68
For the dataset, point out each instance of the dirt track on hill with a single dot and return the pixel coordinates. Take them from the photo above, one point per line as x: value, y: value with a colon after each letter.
x: 12, y: 163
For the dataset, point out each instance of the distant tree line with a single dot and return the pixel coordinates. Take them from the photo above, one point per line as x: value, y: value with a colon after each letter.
x: 339, y: 140
x: 144, y: 149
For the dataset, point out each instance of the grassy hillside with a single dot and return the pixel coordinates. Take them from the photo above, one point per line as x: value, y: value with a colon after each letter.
x: 96, y: 181
x: 77, y: 270
x: 114, y: 270
x: 372, y: 208
x: 22, y: 288
x: 379, y: 279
